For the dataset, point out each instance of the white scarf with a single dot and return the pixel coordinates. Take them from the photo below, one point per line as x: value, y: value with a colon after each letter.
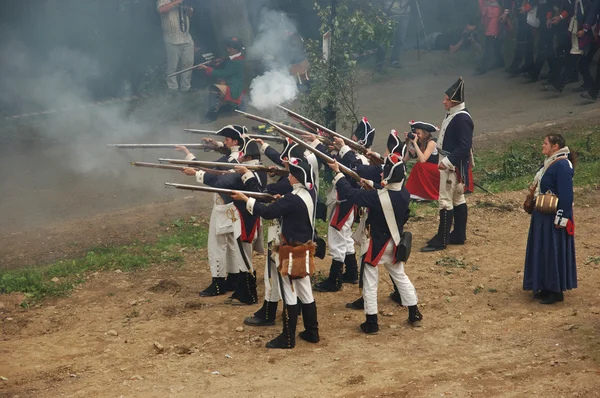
x: 562, y: 152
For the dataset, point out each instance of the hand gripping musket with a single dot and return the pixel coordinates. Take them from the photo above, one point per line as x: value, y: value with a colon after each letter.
x: 263, y: 137
x: 275, y: 170
x: 179, y: 72
x: 294, y: 130
x: 296, y: 116
x: 178, y: 168
x: 349, y: 172
x: 202, y: 188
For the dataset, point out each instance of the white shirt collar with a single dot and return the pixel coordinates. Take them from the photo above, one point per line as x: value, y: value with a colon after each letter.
x: 235, y: 148
x: 298, y: 186
x: 455, y: 109
x: 235, y: 56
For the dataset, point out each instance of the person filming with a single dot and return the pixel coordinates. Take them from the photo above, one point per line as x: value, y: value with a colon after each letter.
x: 424, y: 179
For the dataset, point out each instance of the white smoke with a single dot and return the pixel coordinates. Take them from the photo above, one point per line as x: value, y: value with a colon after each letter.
x: 276, y: 86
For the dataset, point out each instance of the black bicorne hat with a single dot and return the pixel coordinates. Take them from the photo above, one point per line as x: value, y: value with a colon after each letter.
x: 233, y: 132
x: 365, y: 133
x: 393, y: 141
x: 291, y: 150
x: 251, y: 148
x: 394, y: 169
x: 423, y: 126
x: 234, y: 42
x: 456, y: 92
x: 303, y: 171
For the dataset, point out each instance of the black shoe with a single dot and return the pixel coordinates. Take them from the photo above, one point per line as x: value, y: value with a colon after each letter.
x: 216, y: 288
x: 358, y: 304
x: 245, y: 291
x: 265, y: 316
x: 370, y: 326
x: 459, y: 235
x: 414, y: 316
x: 287, y: 338
x: 581, y: 89
x: 553, y: 297
x: 333, y: 283
x: 231, y: 282
x: 209, y: 117
x: 440, y: 240
x: 351, y: 274
x: 311, y: 326
x: 542, y: 294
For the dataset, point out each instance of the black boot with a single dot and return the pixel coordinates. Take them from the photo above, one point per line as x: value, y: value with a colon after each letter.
x: 395, y: 295
x: 311, y: 326
x: 287, y: 338
x: 216, y: 288
x: 414, y: 316
x: 245, y: 292
x: 265, y: 316
x: 358, y: 304
x: 333, y: 283
x: 231, y: 282
x: 553, y: 297
x: 370, y: 326
x: 440, y: 240
x: 351, y: 274
x: 459, y: 235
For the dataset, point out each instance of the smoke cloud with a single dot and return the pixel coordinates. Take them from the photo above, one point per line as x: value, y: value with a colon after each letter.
x: 272, y: 45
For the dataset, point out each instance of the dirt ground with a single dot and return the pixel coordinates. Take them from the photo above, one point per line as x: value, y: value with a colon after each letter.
x: 481, y: 336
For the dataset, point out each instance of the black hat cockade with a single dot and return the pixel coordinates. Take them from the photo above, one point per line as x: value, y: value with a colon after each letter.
x: 394, y: 169
x: 393, y: 142
x: 302, y: 171
x: 456, y: 92
x: 234, y: 132
x: 291, y: 150
x: 423, y: 126
x: 235, y: 43
x: 365, y: 133
x: 251, y: 148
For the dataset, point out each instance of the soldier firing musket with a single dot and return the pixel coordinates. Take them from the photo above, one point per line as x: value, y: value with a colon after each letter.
x: 269, y: 169
x: 264, y: 137
x: 263, y: 197
x: 174, y: 167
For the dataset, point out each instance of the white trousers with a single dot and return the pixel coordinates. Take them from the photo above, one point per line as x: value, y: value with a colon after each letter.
x: 223, y: 254
x: 452, y: 193
x: 179, y: 55
x: 297, y: 289
x: 341, y: 242
x: 272, y: 290
x: 396, y: 271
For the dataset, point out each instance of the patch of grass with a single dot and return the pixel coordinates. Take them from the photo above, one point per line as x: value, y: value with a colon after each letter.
x: 592, y: 260
x: 36, y: 281
x: 451, y: 262
x: 514, y: 168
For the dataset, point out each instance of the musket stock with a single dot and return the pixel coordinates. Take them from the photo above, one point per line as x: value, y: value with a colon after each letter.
x: 202, y: 188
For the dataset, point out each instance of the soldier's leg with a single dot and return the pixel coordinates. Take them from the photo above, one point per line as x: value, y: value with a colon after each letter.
x: 370, y: 282
x: 447, y: 185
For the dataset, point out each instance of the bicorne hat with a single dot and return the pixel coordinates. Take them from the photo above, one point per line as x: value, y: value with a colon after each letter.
x: 234, y: 132
x: 394, y: 169
x: 456, y: 92
x: 302, y: 170
x: 365, y: 133
x: 393, y: 142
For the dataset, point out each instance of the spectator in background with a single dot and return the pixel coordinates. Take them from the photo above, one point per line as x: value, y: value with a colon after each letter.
x: 399, y: 10
x: 494, y: 16
x: 175, y: 21
x: 454, y: 41
x: 424, y: 178
x: 524, y: 47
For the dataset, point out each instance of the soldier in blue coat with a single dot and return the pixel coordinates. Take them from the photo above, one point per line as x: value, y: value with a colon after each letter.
x: 550, y: 265
x: 454, y: 146
x: 387, y: 213
x: 295, y: 212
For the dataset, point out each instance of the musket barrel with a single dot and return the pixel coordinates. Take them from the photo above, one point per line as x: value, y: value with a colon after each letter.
x: 200, y: 131
x: 202, y: 188
x: 157, y: 146
x: 179, y: 72
x: 204, y: 163
x: 158, y: 166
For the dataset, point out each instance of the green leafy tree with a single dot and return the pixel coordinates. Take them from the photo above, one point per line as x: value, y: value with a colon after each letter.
x: 359, y: 25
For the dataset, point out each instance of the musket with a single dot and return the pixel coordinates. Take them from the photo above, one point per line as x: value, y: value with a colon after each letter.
x: 178, y: 168
x: 294, y: 130
x: 349, y: 172
x: 352, y: 144
x: 156, y: 146
x: 202, y: 188
x: 275, y: 170
x: 263, y: 137
x: 179, y: 72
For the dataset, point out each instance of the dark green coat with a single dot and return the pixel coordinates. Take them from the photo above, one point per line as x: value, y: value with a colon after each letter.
x: 232, y: 72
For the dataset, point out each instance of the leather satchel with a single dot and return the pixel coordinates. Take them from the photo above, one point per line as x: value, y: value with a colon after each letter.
x: 404, y: 247
x: 297, y: 261
x: 546, y: 203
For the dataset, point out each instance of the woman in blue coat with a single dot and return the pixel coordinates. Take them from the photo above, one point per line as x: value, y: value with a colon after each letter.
x: 550, y: 257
